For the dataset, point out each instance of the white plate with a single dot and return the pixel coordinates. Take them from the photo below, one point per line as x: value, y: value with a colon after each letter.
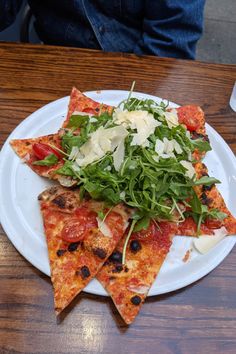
x: 20, y: 214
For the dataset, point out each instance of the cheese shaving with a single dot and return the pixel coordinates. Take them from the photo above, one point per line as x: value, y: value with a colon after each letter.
x: 100, y: 142
x: 190, y: 171
x: 171, y: 118
x: 205, y: 242
x: 103, y: 227
x: 142, y: 121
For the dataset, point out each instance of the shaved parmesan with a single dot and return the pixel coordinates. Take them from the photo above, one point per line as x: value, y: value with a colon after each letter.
x: 142, y: 121
x: 166, y: 148
x: 73, y: 153
x: 100, y: 142
x: 177, y: 147
x: 189, y: 167
x: 205, y: 242
x: 122, y: 195
x: 171, y: 118
x: 118, y: 155
x: 105, y: 230
x: 92, y: 120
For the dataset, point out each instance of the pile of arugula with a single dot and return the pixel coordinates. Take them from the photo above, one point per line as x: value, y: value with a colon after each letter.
x: 156, y: 189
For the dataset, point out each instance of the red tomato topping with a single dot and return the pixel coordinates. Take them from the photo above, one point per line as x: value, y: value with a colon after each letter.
x: 73, y: 231
x: 159, y: 235
x: 76, y: 228
x: 43, y: 150
x: 189, y: 115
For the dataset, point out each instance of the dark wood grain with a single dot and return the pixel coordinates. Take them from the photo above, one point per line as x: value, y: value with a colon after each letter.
x: 198, y: 319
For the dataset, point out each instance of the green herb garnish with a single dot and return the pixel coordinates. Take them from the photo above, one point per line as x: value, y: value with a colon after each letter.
x: 47, y: 161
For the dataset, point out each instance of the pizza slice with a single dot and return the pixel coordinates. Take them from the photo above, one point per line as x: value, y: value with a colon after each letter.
x: 193, y: 118
x: 33, y: 150
x: 128, y: 284
x: 81, y: 103
x: 78, y: 243
x: 43, y: 157
x: 211, y: 197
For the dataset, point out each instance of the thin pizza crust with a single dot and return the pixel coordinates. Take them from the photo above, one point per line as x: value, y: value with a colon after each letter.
x: 211, y: 197
x: 24, y: 149
x: 74, y: 265
x: 81, y: 103
x: 128, y: 284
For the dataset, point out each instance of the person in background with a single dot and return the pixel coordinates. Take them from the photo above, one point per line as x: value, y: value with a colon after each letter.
x: 168, y: 28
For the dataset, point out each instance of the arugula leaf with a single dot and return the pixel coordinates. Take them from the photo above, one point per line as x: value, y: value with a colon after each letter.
x: 69, y: 140
x: 66, y: 169
x: 195, y: 203
x: 206, y: 181
x: 201, y: 145
x: 101, y: 214
x: 217, y: 214
x: 49, y: 160
x: 142, y: 224
x: 77, y: 121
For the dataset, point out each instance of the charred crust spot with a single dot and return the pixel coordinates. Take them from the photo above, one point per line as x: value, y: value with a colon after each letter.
x: 204, y: 173
x: 84, y: 272
x: 61, y: 252
x: 97, y: 109
x: 136, y: 300
x: 196, y: 135
x: 112, y: 278
x: 59, y: 201
x: 100, y: 252
x: 27, y: 143
x: 51, y: 138
x: 73, y: 246
x: 43, y: 196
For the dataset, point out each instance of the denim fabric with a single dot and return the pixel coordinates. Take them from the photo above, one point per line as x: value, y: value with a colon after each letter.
x: 159, y: 27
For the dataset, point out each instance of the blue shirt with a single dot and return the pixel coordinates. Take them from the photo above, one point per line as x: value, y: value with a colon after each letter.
x: 169, y: 28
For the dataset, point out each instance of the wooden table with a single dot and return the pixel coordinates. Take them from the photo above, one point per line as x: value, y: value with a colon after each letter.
x: 200, y: 318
